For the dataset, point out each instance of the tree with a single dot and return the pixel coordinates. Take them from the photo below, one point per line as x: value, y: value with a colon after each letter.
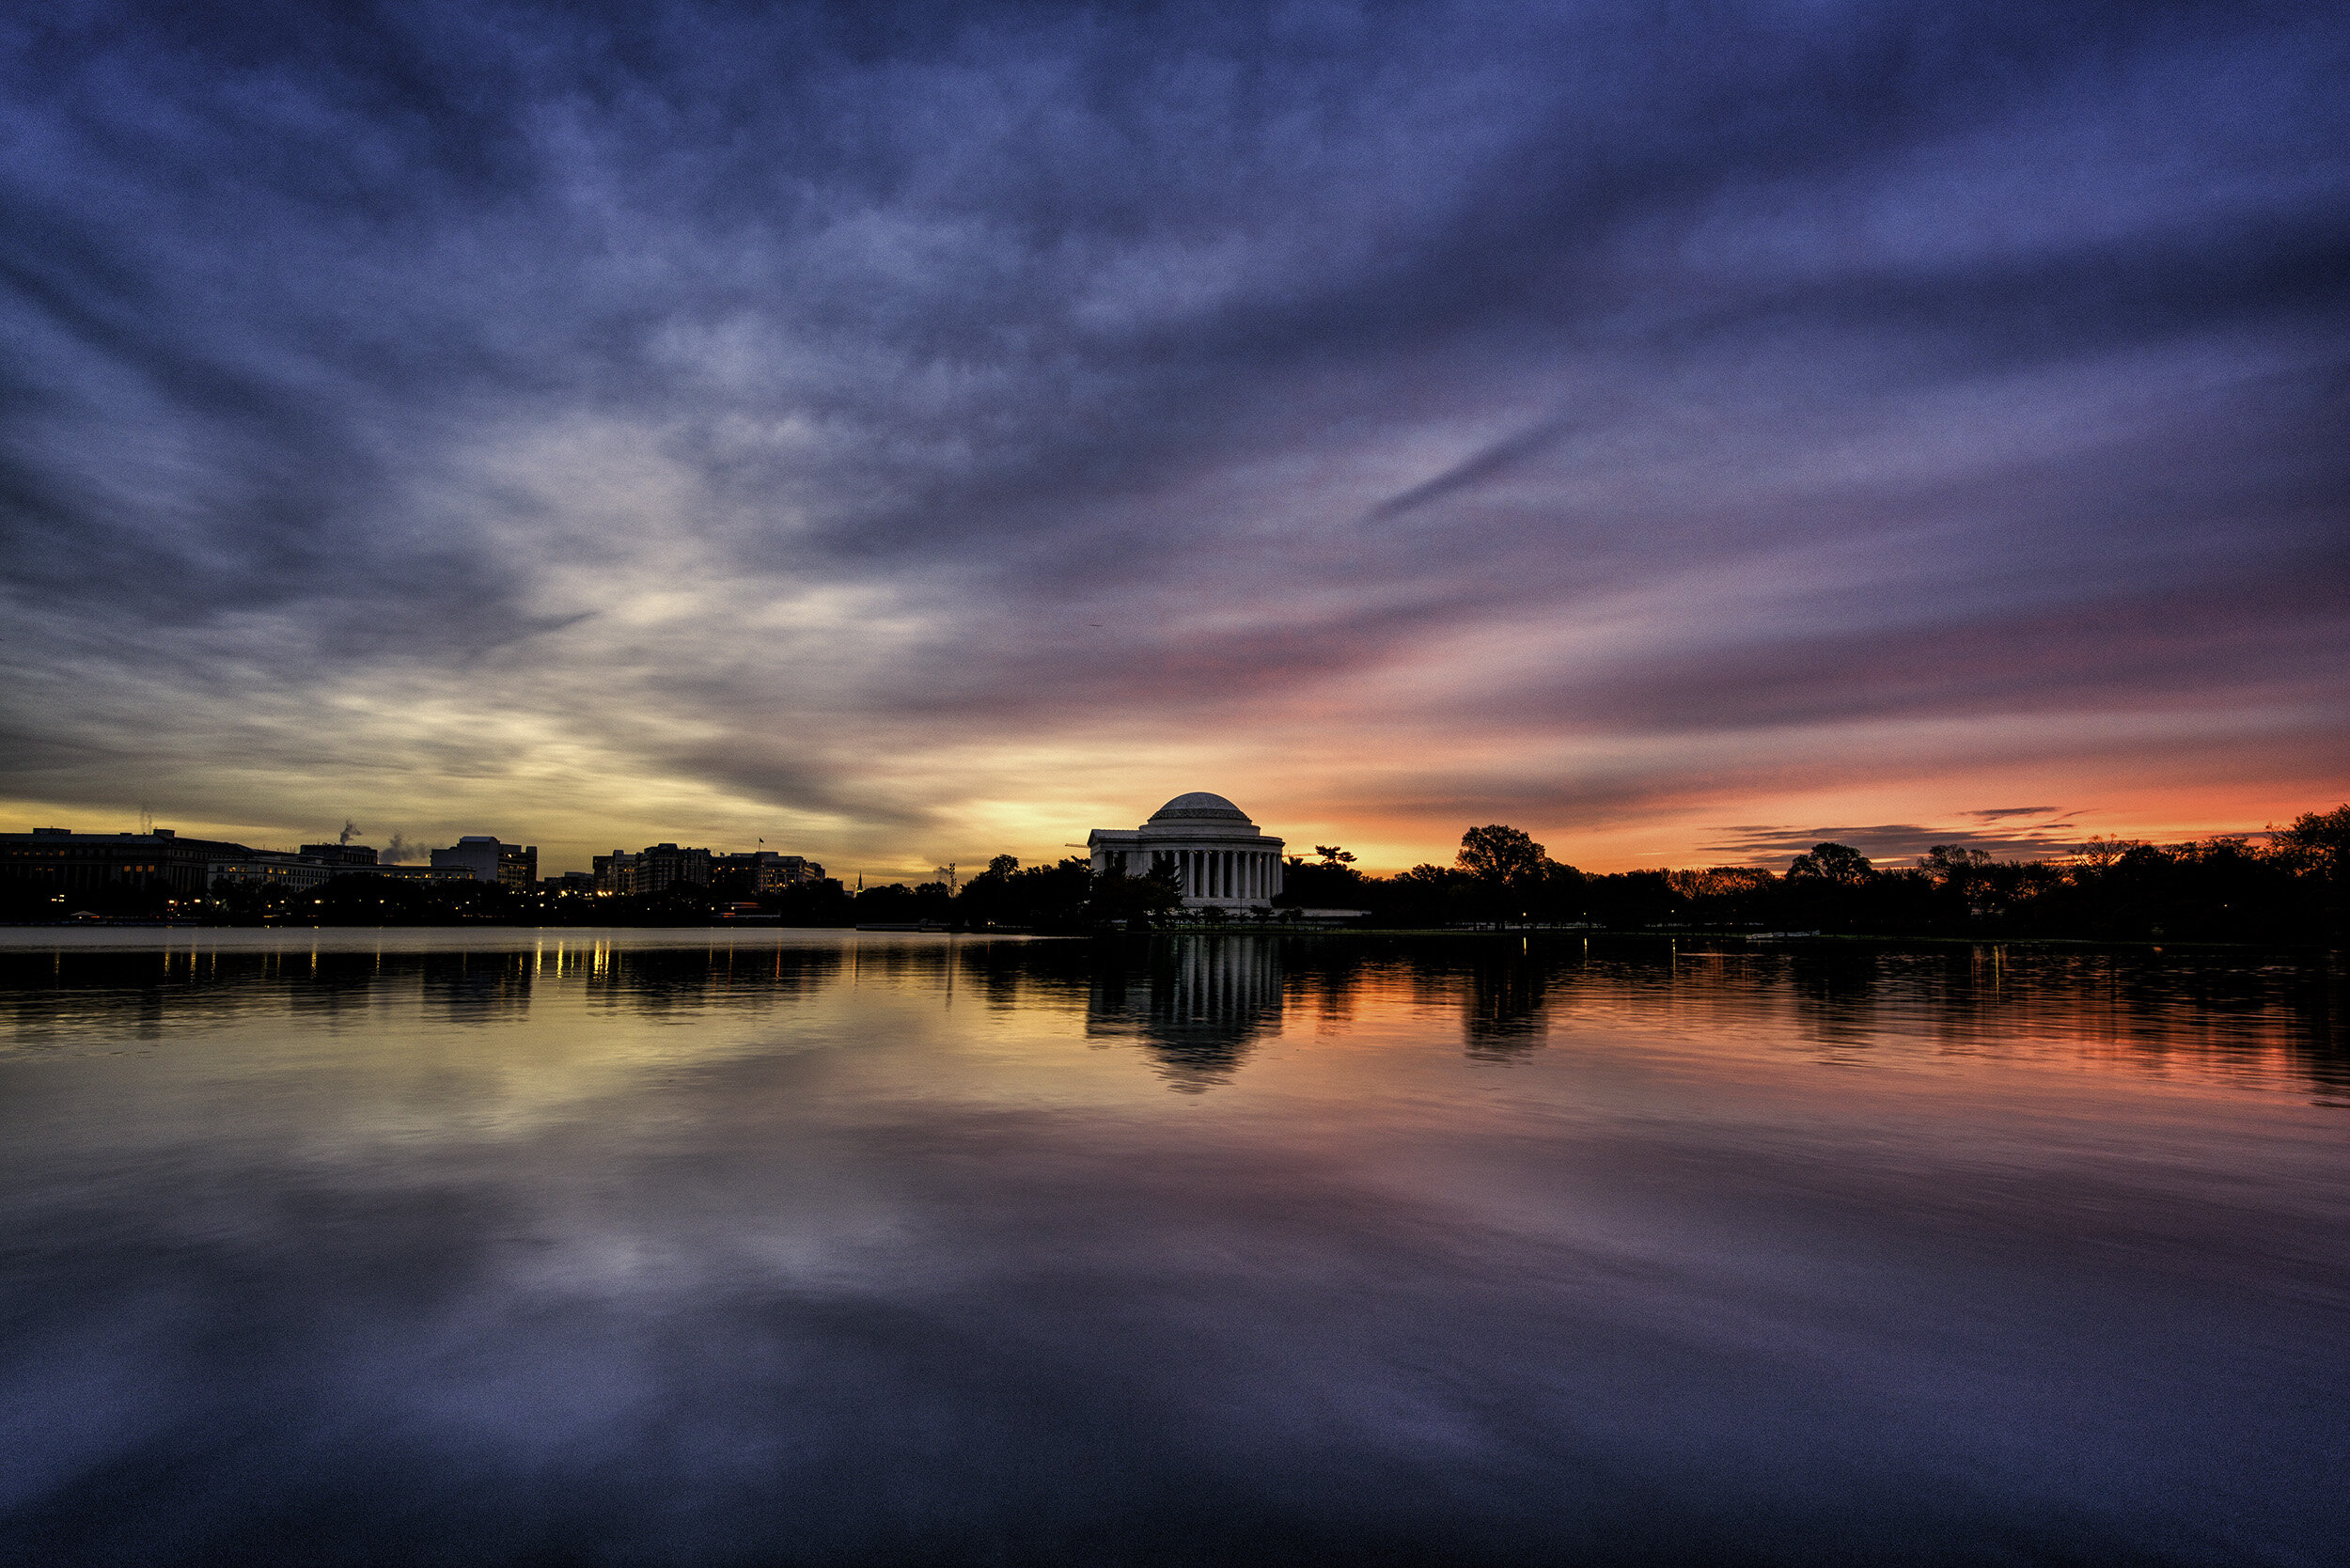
x: 1114, y: 896
x: 1952, y: 863
x: 1044, y: 897
x: 1837, y: 865
x: 1501, y: 857
x: 1330, y: 883
x: 1560, y: 894
x: 2103, y: 851
x: 1425, y: 895
x: 1508, y: 871
x: 2317, y: 841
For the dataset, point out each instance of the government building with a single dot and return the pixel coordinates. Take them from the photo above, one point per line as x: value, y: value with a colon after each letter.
x: 1225, y: 863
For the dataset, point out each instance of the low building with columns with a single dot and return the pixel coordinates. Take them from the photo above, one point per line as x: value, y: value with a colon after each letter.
x: 1225, y: 863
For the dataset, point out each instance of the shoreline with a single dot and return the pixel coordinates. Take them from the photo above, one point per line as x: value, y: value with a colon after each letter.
x: 1548, y: 933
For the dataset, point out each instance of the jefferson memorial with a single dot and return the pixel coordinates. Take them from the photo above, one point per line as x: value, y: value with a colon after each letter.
x: 1223, y: 861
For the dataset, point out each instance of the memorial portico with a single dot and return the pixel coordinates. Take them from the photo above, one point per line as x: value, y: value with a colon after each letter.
x: 1222, y: 861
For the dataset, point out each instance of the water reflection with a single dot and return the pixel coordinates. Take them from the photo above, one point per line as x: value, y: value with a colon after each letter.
x: 1837, y: 991
x: 1508, y: 999
x: 1196, y: 1003
x: 651, y: 1246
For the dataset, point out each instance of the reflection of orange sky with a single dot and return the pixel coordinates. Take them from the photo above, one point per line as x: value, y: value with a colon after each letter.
x: 1290, y: 1012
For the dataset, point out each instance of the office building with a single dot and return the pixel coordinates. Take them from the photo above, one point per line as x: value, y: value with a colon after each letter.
x: 58, y: 860
x: 654, y: 869
x: 479, y: 854
x: 340, y: 854
x: 764, y: 871
x: 289, y: 872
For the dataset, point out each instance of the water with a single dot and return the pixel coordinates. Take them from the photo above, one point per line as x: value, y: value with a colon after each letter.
x: 438, y: 1247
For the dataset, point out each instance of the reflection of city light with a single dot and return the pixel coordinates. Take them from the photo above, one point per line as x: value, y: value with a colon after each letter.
x: 1196, y: 1008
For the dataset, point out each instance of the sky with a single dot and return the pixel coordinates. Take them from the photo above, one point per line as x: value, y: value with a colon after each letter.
x: 905, y: 434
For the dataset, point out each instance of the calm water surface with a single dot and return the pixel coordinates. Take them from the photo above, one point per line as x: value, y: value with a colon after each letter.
x: 646, y: 1246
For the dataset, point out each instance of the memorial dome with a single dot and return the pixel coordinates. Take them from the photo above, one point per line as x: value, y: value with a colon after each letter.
x: 1219, y: 858
x: 1199, y: 806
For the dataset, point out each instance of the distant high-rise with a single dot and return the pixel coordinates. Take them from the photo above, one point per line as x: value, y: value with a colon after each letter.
x: 765, y: 871
x: 481, y: 853
x: 654, y: 869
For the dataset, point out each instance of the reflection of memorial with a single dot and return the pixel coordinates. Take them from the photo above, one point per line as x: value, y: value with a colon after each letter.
x: 1196, y: 1003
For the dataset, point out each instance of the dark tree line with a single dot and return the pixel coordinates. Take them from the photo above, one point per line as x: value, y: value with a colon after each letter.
x: 2293, y: 888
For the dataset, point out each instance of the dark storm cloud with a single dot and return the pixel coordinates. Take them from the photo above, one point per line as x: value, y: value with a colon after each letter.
x: 1059, y: 360
x: 1899, y: 841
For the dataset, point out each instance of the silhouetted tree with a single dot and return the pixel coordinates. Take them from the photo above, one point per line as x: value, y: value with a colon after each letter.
x: 2319, y: 843
x: 2102, y: 850
x: 1331, y: 883
x: 811, y: 903
x: 1425, y: 896
x: 1506, y: 868
x: 1840, y: 865
x: 1507, y: 856
x: 1043, y: 897
x: 1952, y: 862
x: 1117, y: 898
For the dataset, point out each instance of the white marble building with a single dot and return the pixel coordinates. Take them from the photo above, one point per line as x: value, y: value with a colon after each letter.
x: 1225, y: 862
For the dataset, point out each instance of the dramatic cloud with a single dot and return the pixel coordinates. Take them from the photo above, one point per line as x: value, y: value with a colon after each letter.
x: 1902, y: 841
x: 908, y: 432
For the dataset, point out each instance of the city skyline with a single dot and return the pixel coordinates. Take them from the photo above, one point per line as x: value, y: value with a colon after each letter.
x: 929, y: 433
